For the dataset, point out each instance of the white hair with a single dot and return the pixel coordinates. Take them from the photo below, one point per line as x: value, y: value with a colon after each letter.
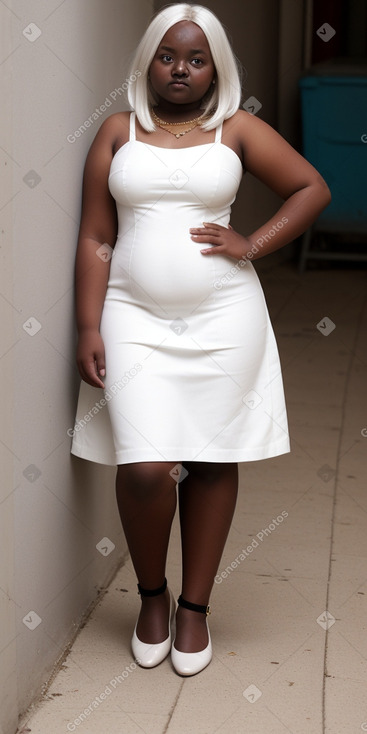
x: 223, y: 98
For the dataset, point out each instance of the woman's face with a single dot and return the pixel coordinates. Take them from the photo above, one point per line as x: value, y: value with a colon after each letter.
x: 182, y: 69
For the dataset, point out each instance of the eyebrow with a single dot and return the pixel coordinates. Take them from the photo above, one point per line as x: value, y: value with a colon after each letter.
x: 192, y: 51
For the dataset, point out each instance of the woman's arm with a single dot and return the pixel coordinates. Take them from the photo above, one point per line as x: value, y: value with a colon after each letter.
x: 274, y: 162
x: 98, y: 227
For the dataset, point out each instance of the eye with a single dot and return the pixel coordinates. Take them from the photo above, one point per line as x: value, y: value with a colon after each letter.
x: 166, y: 57
x: 200, y: 61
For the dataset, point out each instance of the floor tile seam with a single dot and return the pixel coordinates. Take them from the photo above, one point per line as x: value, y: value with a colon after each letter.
x: 348, y: 376
x: 173, y: 708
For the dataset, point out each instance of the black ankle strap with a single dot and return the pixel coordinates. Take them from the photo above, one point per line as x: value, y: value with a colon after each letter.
x: 193, y: 607
x: 152, y: 592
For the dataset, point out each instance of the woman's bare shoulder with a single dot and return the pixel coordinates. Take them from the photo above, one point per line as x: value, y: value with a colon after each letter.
x: 245, y: 122
x: 115, y: 128
x: 112, y: 134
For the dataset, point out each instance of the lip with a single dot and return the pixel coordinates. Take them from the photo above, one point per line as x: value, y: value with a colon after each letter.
x: 179, y: 84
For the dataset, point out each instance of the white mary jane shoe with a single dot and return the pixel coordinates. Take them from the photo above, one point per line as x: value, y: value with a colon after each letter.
x: 149, y: 655
x: 190, y: 663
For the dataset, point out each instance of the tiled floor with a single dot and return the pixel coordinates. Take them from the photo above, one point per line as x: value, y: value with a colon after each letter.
x: 289, y: 622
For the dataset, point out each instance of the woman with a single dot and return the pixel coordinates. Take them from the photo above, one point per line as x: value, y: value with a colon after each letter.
x: 172, y: 321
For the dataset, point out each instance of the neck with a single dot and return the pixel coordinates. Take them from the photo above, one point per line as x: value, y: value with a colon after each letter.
x: 177, y: 112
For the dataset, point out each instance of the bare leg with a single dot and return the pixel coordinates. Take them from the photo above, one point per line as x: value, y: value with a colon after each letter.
x: 146, y: 498
x: 207, y: 499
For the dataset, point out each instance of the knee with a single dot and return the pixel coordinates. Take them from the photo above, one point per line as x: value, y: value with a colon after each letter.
x: 145, y: 479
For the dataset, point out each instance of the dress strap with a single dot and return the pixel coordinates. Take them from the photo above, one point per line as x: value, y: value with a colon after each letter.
x: 218, y: 133
x: 132, y: 135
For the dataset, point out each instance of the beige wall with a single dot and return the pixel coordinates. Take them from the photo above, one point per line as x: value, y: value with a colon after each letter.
x: 54, y: 508
x: 8, y: 632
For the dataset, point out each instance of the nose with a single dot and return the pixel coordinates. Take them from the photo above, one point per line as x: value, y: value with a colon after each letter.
x: 180, y: 68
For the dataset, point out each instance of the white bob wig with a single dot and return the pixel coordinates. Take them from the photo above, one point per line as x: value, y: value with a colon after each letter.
x: 222, y: 100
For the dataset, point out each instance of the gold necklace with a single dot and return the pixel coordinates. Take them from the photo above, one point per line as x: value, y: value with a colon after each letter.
x: 164, y: 125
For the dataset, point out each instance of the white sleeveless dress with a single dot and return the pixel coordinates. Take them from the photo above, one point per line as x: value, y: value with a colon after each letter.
x: 192, y: 365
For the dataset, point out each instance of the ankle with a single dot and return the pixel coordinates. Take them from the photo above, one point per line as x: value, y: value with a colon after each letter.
x: 155, y: 602
x: 193, y: 606
x: 186, y: 618
x: 153, y: 620
x: 191, y: 631
x: 151, y: 592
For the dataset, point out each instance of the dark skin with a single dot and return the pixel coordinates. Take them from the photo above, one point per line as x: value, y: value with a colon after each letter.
x: 181, y: 73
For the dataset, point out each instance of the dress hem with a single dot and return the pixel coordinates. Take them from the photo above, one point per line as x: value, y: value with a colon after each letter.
x: 187, y: 454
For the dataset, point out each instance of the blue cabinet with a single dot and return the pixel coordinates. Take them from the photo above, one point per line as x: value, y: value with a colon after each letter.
x: 334, y: 128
